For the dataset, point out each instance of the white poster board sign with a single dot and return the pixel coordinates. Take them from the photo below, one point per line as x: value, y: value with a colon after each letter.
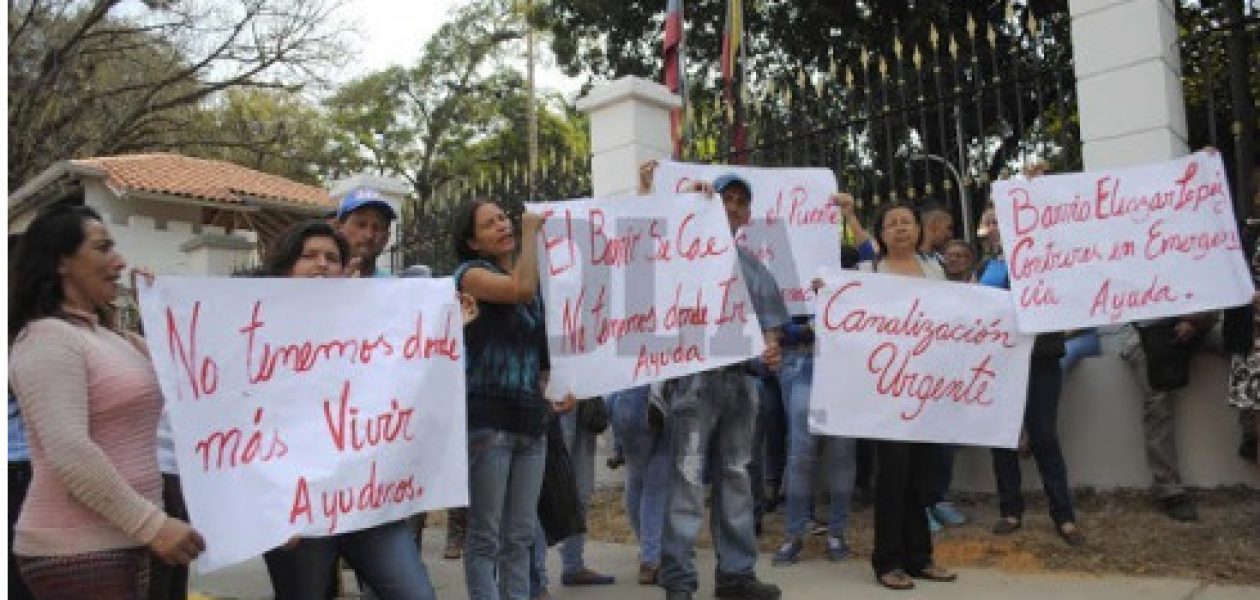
x: 902, y: 358
x: 1122, y: 245
x: 639, y: 290
x: 794, y: 228
x: 309, y: 407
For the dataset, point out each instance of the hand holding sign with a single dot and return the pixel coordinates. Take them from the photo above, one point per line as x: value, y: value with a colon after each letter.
x: 795, y: 226
x: 284, y: 429
x: 637, y: 292
x: 1088, y: 249
x: 913, y: 359
x: 176, y: 543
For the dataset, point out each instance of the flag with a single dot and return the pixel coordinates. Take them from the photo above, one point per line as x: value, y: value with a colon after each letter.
x: 675, y: 78
x: 732, y: 35
x: 732, y: 75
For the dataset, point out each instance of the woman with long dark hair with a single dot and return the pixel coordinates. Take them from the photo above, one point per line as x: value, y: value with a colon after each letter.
x: 904, y: 470
x: 90, y: 399
x: 385, y: 557
x: 506, y: 361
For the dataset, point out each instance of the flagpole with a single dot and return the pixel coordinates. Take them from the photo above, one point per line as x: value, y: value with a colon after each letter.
x: 532, y: 109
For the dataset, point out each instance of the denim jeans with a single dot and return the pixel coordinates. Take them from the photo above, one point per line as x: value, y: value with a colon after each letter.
x: 719, y: 405
x: 769, y: 459
x: 581, y: 446
x: 839, y: 453
x: 942, y: 473
x: 1041, y: 416
x: 647, y: 470
x: 385, y: 558
x: 504, y: 478
x: 538, y: 563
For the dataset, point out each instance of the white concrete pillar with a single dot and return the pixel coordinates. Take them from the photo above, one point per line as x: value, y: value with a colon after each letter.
x: 629, y: 125
x: 1128, y: 81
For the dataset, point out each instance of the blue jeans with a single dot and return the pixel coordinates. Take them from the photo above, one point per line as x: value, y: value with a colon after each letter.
x: 538, y: 563
x: 581, y: 446
x: 1041, y: 416
x: 505, y: 472
x: 647, y: 470
x: 385, y: 558
x: 839, y: 453
x: 770, y: 452
x: 719, y: 405
x: 942, y: 473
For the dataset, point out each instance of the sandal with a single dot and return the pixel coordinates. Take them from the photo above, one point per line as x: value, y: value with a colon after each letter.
x: 896, y: 579
x: 934, y: 572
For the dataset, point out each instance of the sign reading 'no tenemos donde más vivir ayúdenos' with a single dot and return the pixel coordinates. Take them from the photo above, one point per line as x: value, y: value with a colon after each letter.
x: 309, y: 407
x: 1122, y: 245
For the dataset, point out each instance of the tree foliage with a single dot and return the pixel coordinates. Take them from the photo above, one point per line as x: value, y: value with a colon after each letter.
x: 101, y: 77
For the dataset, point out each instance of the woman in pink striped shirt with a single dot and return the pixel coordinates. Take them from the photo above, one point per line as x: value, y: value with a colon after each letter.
x: 91, y: 401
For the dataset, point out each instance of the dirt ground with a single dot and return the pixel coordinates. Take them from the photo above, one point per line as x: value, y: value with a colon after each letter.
x: 1126, y: 535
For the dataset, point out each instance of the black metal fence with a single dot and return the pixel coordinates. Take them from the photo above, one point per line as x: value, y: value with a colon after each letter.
x: 934, y: 113
x: 1220, y: 55
x: 427, y: 223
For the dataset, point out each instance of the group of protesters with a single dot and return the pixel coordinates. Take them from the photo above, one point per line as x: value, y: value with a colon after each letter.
x: 99, y: 499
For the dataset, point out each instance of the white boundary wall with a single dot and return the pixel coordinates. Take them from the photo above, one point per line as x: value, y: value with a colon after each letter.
x: 1132, y: 112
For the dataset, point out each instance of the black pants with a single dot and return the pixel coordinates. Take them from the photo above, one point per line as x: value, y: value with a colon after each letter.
x: 19, y: 481
x: 903, y: 486
x: 1045, y: 381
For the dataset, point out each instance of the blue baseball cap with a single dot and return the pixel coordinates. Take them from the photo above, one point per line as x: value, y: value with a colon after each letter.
x: 725, y: 181
x: 361, y: 198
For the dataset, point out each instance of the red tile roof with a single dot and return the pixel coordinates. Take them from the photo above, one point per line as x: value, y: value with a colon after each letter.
x: 202, y: 179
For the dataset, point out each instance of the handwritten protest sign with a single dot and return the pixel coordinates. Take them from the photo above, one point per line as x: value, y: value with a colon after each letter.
x: 309, y: 407
x: 1122, y: 245
x: 903, y: 358
x: 794, y: 229
x: 638, y: 291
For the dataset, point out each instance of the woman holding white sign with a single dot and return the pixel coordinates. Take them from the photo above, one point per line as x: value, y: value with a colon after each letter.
x: 384, y: 557
x: 506, y: 363
x: 905, y: 470
x: 1041, y: 414
x: 90, y: 399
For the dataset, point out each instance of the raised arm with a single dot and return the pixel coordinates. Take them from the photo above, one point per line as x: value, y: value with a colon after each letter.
x: 848, y: 209
x: 521, y: 283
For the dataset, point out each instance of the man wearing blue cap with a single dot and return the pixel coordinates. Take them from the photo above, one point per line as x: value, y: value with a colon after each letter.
x: 719, y: 408
x: 364, y: 218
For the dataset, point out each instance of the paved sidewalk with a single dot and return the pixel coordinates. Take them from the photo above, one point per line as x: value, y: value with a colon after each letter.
x: 805, y: 581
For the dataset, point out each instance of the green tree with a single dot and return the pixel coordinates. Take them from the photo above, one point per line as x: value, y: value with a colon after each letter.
x: 274, y: 131
x: 102, y: 77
